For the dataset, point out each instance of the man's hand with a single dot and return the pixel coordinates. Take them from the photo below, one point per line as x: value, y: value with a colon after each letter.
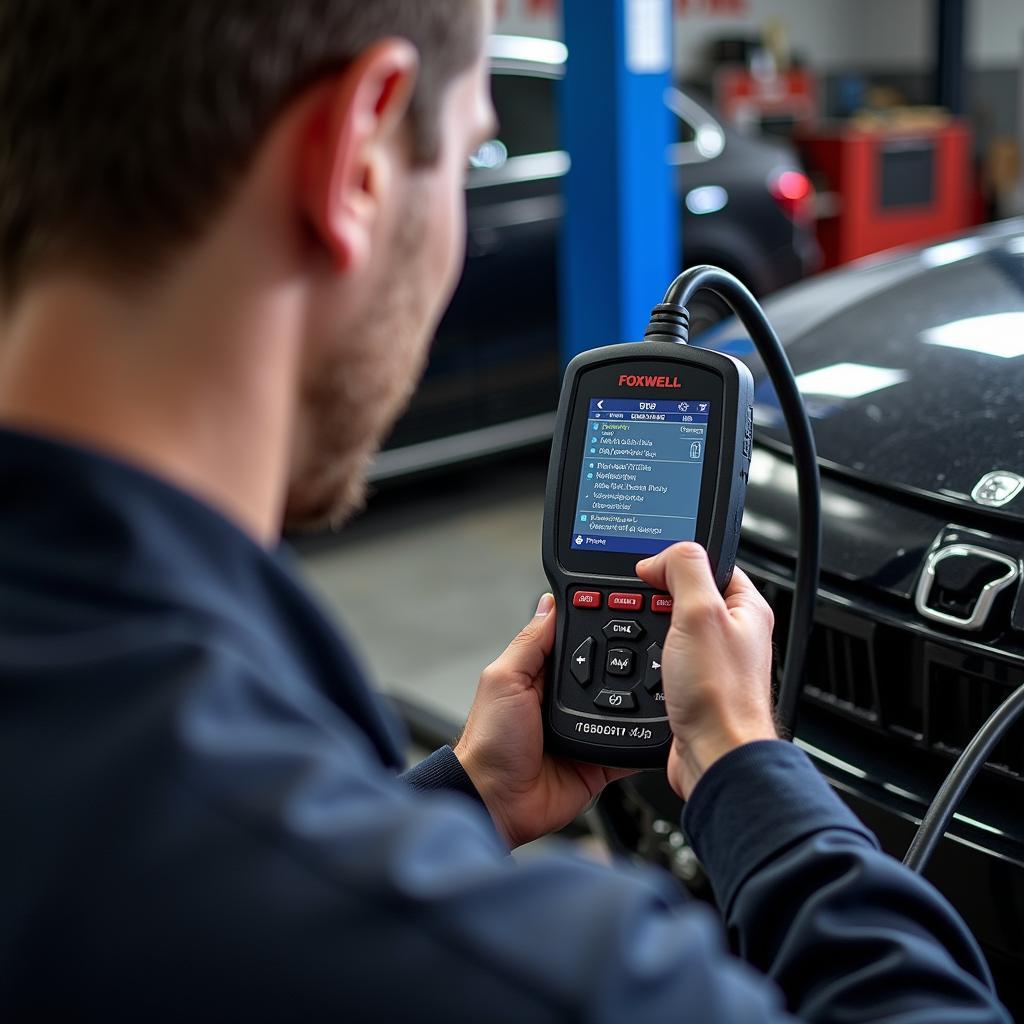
x: 527, y: 792
x: 716, y: 669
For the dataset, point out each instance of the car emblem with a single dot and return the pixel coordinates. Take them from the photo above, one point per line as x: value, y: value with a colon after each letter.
x: 998, y: 488
x: 986, y: 598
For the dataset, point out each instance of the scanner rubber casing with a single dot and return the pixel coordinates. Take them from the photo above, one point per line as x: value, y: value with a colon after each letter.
x: 721, y: 537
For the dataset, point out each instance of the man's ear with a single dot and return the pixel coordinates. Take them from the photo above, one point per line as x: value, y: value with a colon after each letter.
x: 354, y: 140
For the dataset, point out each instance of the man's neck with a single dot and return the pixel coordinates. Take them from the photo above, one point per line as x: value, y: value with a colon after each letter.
x: 199, y: 391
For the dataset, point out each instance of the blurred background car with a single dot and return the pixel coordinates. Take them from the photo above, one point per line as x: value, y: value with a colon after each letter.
x: 492, y: 385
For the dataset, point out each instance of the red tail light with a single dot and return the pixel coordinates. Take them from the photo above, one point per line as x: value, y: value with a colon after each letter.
x: 793, y: 191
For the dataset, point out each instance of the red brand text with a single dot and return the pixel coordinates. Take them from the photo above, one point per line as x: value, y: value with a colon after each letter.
x: 634, y: 380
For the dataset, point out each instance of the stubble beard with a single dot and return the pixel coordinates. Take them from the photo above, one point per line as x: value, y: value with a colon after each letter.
x: 350, y: 402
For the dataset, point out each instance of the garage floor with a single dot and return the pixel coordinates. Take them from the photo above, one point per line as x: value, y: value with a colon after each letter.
x: 435, y: 578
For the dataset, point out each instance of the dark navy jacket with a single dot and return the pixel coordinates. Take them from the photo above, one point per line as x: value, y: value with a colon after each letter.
x: 201, y: 819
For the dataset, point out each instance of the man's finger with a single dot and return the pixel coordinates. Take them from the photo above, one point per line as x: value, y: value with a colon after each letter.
x: 652, y: 570
x: 682, y: 569
x: 655, y: 570
x: 741, y: 590
x: 741, y: 595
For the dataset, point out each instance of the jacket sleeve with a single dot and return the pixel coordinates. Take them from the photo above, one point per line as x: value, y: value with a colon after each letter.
x: 846, y: 931
x: 442, y: 770
x: 306, y: 882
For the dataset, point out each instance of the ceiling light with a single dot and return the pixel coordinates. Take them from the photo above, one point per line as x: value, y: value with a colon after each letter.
x: 849, y: 380
x: 707, y: 199
x: 952, y: 252
x: 995, y: 334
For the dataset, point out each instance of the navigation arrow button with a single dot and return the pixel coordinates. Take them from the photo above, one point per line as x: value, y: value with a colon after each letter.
x: 652, y: 674
x: 582, y: 663
x: 616, y: 700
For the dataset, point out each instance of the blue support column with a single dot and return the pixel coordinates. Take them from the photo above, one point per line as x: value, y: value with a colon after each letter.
x: 620, y: 245
x: 950, y: 63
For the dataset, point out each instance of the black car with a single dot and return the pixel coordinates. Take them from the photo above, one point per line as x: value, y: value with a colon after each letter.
x: 494, y: 374
x: 912, y: 368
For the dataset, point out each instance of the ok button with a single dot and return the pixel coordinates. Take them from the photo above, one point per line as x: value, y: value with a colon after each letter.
x: 620, y: 662
x: 623, y: 629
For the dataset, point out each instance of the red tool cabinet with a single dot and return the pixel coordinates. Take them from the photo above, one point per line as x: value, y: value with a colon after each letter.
x: 891, y: 186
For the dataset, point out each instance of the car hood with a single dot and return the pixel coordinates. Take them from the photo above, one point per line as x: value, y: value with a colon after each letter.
x: 911, y: 365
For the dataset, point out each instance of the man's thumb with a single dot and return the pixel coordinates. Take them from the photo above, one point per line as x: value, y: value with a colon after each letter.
x: 530, y: 649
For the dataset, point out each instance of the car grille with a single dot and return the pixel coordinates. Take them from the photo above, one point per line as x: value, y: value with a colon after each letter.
x: 931, y: 695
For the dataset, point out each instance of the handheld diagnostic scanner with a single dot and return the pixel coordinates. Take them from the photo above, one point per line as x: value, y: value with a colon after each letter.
x: 652, y: 446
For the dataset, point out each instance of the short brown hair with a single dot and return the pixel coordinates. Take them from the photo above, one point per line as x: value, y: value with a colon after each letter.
x: 124, y: 124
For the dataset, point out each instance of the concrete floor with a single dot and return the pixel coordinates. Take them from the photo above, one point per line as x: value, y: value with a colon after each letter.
x: 435, y: 578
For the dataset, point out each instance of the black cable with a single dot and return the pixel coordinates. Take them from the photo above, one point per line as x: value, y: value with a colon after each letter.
x: 670, y: 322
x: 957, y: 782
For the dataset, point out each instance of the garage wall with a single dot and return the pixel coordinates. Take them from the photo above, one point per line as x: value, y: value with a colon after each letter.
x: 827, y: 29
x: 996, y: 33
x: 528, y: 18
x: 895, y: 34
x: 834, y: 34
x: 899, y: 33
x: 892, y: 41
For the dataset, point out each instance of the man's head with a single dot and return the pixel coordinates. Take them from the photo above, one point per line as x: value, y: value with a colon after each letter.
x: 129, y: 131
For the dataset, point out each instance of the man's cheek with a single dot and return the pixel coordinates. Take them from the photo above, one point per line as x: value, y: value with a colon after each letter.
x: 457, y: 240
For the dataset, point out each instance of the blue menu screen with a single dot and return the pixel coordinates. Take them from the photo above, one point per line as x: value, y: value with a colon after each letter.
x: 642, y: 467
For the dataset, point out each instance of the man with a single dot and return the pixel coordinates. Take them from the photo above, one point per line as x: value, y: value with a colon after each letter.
x: 227, y: 231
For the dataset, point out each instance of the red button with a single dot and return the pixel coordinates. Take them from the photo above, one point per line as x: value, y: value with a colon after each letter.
x: 661, y: 603
x: 586, y: 599
x: 626, y: 602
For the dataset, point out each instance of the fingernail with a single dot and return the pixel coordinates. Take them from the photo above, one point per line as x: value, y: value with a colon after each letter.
x: 544, y: 606
x: 644, y: 561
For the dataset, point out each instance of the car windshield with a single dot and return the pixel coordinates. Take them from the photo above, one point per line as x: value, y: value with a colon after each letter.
x: 527, y: 113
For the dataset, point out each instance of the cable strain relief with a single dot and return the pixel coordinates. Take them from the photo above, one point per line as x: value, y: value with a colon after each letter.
x: 669, y: 323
